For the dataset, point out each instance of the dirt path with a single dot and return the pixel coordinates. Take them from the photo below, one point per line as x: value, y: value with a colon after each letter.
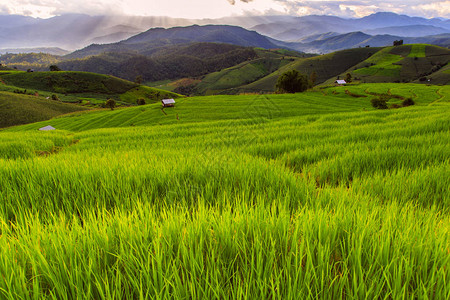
x: 439, y: 99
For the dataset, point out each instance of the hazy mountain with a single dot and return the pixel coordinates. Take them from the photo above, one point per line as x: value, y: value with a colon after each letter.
x: 409, y: 31
x: 11, y: 21
x: 74, y: 31
x: 210, y: 33
x: 360, y: 39
x: 48, y: 50
x: 317, y: 37
x: 382, y: 19
x: 304, y: 26
x: 379, y: 23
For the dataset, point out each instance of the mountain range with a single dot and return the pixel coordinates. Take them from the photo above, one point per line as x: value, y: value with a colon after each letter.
x: 151, y: 41
x: 375, y: 24
x: 75, y: 31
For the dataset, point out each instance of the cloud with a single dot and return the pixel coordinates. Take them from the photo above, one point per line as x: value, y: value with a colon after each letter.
x: 233, y: 2
x: 360, y: 8
x: 218, y: 8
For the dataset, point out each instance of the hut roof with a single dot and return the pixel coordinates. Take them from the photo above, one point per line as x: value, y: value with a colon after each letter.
x: 168, y: 101
x: 47, y: 128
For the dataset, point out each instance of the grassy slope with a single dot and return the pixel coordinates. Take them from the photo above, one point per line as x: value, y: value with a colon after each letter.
x: 402, y: 64
x: 211, y: 108
x: 440, y: 77
x: 233, y: 78
x: 18, y: 109
x: 326, y: 66
x: 82, y: 85
x: 293, y: 196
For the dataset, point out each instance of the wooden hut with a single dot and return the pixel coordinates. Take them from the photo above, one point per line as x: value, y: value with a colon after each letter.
x: 168, y: 102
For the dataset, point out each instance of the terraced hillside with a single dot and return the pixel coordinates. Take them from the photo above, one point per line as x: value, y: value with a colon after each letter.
x: 313, y: 195
x: 325, y: 66
x: 407, y: 63
x: 16, y: 109
x: 231, y: 79
x: 417, y: 63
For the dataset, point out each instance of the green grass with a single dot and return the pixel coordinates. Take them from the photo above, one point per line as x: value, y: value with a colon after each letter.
x: 148, y: 93
x: 313, y: 195
x: 418, y: 50
x: 16, y: 109
x: 211, y: 108
x: 384, y: 64
x: 162, y: 84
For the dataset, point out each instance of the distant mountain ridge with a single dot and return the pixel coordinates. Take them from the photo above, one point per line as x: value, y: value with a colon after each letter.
x: 48, y: 50
x: 151, y: 40
x: 361, y: 39
x: 409, y: 31
x: 75, y: 31
x: 375, y: 24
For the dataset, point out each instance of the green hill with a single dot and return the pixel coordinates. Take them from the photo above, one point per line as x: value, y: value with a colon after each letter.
x: 439, y: 77
x: 16, y: 109
x: 231, y: 79
x: 404, y: 63
x: 326, y: 66
x: 68, y: 82
x: 73, y: 86
x: 29, y: 60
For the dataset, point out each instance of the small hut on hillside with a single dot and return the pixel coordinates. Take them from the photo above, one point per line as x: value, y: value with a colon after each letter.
x: 168, y: 102
x: 340, y: 82
x: 47, y: 128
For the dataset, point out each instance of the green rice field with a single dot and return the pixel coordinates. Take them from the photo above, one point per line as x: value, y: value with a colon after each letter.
x: 314, y: 195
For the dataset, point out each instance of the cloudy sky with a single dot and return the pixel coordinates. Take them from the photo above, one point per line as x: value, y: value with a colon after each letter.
x: 222, y: 8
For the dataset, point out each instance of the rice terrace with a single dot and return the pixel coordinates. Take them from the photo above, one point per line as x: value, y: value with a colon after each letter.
x: 224, y: 183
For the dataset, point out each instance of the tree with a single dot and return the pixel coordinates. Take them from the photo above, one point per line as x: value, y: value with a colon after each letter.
x: 54, y: 68
x: 398, y: 43
x: 380, y: 102
x: 138, y: 79
x: 348, y: 78
x: 110, y: 103
x: 313, y: 78
x: 55, y: 97
x: 292, y: 82
x: 141, y: 101
x: 408, y: 102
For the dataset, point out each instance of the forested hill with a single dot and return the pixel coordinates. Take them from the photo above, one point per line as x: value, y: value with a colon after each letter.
x: 147, y: 42
x: 166, y: 62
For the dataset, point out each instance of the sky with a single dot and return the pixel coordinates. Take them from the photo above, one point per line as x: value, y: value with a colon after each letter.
x: 199, y: 9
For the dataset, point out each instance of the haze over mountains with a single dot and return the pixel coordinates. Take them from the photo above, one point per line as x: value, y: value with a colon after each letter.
x: 319, y: 34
